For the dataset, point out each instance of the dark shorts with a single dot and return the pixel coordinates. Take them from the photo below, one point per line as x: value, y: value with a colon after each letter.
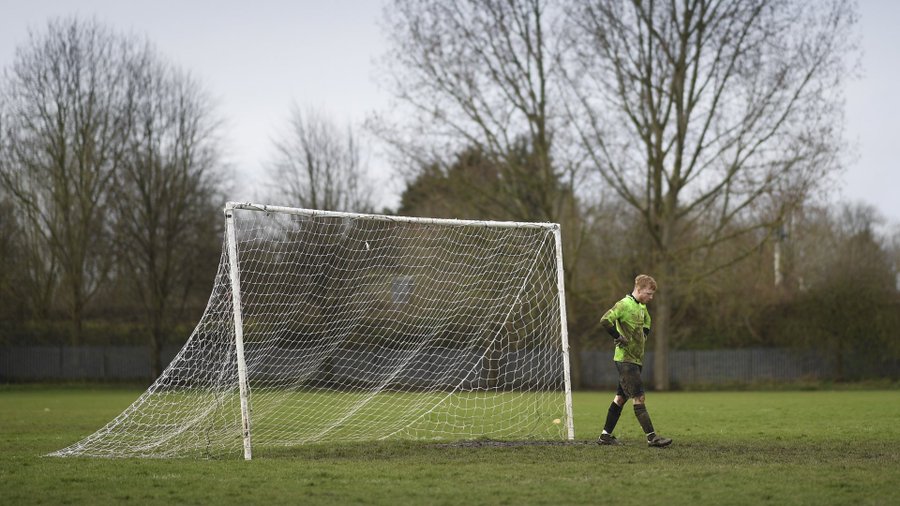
x: 630, y: 384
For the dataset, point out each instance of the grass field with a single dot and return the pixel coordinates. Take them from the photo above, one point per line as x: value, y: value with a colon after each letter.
x: 787, y: 447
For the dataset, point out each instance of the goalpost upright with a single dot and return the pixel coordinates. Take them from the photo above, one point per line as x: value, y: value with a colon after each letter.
x: 564, y: 331
x: 234, y: 274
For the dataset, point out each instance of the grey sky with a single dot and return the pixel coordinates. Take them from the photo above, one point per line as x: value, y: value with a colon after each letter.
x: 258, y: 58
x: 873, y: 111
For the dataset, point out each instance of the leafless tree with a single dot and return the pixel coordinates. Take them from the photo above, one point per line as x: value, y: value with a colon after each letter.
x: 846, y: 267
x: 697, y: 112
x: 66, y: 102
x: 479, y: 75
x: 29, y: 278
x: 319, y: 165
x: 482, y: 76
x: 894, y: 252
x: 109, y: 155
x: 167, y: 195
x: 11, y: 257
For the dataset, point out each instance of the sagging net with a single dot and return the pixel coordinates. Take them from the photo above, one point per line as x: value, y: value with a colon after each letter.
x: 362, y: 328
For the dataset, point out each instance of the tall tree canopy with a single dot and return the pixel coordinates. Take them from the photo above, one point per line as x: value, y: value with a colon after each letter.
x: 710, y: 118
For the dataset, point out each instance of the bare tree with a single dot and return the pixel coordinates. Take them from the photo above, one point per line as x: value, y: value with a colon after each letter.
x: 30, y: 274
x: 697, y: 112
x: 29, y: 277
x: 847, y: 269
x: 483, y: 77
x: 167, y: 193
x: 66, y: 100
x: 12, y: 259
x: 319, y: 166
x: 109, y: 155
x: 479, y: 75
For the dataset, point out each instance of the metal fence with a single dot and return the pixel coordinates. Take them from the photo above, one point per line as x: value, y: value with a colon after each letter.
x: 716, y: 367
x: 107, y: 363
x: 686, y: 368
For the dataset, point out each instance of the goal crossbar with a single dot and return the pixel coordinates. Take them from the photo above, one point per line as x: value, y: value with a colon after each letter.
x: 386, y: 217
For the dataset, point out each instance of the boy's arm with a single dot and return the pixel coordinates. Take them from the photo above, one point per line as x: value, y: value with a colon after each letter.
x: 646, y: 324
x: 608, y: 322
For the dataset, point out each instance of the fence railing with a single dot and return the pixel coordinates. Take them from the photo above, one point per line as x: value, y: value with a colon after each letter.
x: 686, y: 367
x: 711, y: 367
x: 113, y: 363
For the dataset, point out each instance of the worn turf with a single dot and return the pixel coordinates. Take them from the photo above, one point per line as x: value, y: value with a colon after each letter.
x: 821, y: 447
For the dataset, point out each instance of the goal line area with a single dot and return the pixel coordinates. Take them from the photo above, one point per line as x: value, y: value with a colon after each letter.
x: 325, y: 326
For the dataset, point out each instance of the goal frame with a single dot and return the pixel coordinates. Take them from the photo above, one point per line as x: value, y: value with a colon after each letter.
x: 234, y: 274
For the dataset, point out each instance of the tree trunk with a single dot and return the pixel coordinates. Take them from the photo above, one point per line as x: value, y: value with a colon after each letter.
x: 839, y: 361
x: 660, y: 325
x: 661, y: 322
x: 574, y: 348
x: 77, y: 315
x: 156, y: 340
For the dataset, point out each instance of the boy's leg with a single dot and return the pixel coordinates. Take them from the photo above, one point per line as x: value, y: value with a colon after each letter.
x: 615, y: 410
x: 630, y: 375
x: 612, y: 418
x: 653, y: 439
x: 640, y: 411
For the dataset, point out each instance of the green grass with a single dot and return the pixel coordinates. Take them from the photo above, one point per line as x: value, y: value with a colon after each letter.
x: 784, y: 447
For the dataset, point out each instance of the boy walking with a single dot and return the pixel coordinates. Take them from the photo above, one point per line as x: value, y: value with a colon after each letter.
x: 628, y: 322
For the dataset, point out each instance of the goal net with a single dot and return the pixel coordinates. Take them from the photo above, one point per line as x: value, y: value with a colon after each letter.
x: 326, y: 326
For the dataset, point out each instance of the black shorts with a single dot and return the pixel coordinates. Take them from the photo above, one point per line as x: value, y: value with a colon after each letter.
x: 630, y: 384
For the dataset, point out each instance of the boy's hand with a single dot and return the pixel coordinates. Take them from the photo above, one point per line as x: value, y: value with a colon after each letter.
x: 619, y: 339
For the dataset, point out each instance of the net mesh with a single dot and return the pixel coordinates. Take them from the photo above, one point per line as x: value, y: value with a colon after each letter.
x: 360, y: 328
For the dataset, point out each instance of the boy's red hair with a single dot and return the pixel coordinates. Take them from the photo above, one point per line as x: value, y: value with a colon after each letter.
x: 644, y: 281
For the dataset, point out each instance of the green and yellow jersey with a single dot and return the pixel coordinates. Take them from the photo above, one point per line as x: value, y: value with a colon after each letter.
x: 629, y: 317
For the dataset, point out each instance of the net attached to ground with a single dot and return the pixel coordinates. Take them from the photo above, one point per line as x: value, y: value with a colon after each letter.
x: 361, y: 328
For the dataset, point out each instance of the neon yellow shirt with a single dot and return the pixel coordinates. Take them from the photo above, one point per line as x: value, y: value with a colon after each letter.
x: 630, y: 318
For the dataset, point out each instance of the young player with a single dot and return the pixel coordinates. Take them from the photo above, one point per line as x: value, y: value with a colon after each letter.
x: 628, y: 322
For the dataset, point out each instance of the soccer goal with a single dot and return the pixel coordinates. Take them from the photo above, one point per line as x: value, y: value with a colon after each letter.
x: 327, y: 326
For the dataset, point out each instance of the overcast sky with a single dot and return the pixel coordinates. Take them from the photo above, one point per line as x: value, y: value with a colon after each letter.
x: 257, y: 58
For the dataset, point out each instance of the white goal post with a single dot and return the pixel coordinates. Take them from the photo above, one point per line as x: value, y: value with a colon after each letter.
x: 328, y: 326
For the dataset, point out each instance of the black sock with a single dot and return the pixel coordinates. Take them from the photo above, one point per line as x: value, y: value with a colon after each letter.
x: 612, y: 417
x: 640, y: 411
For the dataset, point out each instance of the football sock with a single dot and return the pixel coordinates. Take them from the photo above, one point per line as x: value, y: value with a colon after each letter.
x: 612, y: 417
x: 640, y: 411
